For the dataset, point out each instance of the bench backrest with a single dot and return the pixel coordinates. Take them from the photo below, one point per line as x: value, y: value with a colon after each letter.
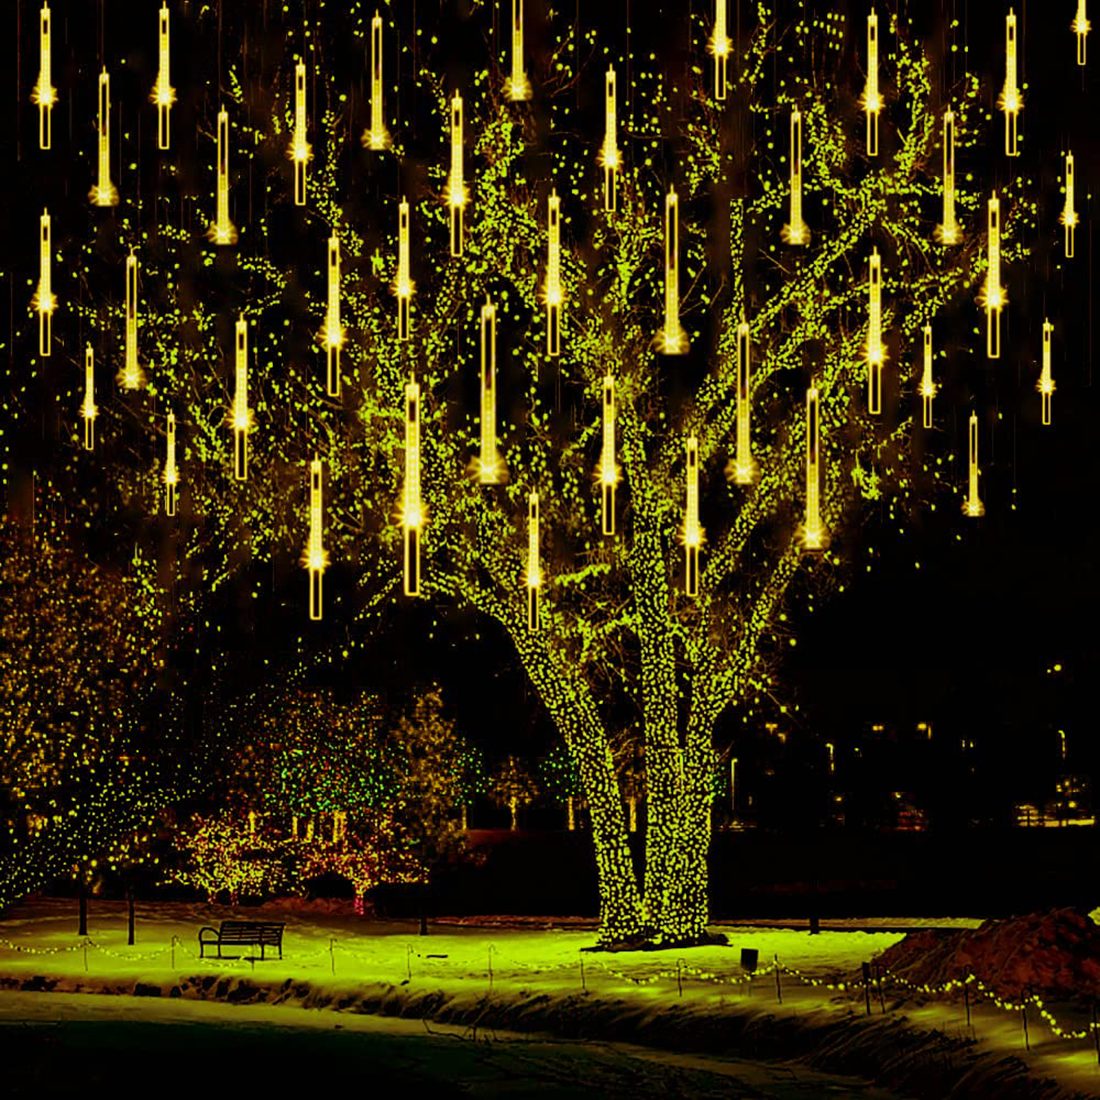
x: 244, y: 932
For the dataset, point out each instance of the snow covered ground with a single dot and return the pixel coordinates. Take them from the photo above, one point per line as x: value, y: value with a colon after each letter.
x: 536, y: 979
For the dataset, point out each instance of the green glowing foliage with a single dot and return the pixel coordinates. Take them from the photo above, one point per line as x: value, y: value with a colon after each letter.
x: 513, y: 786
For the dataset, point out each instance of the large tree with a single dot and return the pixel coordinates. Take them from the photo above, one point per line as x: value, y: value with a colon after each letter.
x: 619, y: 643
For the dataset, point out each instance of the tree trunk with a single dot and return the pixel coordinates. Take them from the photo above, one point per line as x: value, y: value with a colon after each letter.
x: 424, y: 899
x: 512, y: 808
x: 82, y: 895
x: 632, y: 804
x: 130, y: 913
x: 463, y: 821
x: 570, y: 814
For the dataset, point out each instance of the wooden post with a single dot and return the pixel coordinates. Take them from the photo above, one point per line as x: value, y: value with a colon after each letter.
x: 866, y: 968
x: 881, y: 996
x: 1095, y: 1033
x: 1023, y: 1014
x: 778, y: 987
x: 83, y: 897
x: 130, y: 913
x: 966, y: 998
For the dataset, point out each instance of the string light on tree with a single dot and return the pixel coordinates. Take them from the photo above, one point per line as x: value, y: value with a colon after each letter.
x: 876, y: 353
x: 534, y: 572
x: 87, y: 409
x: 993, y: 295
x: 1081, y: 29
x: 872, y: 100
x: 132, y: 376
x: 553, y: 277
x: 456, y: 186
x: 164, y: 95
x: 44, y: 95
x: 412, y: 517
x: 44, y: 301
x: 403, y: 285
x: 796, y: 231
x: 376, y: 137
x: 104, y: 193
x: 1046, y: 382
x: 744, y: 465
x: 316, y: 559
x: 171, y: 473
x: 973, y: 506
x: 609, y: 468
x: 223, y: 231
x: 720, y: 47
x: 672, y: 340
x: 609, y: 151
x: 332, y: 336
x: 242, y: 415
x: 813, y: 531
x: 693, y: 533
x: 517, y: 87
x: 300, y: 152
x: 927, y: 386
x: 1011, y: 102
x: 1069, y: 212
x: 949, y: 232
x: 490, y: 465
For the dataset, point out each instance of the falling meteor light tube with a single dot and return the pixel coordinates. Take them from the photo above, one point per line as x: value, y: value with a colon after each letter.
x: 1069, y: 213
x: 813, y: 533
x: 720, y: 47
x: 693, y: 533
x: 796, y: 231
x: 609, y: 469
x: 242, y: 417
x: 1011, y: 101
x: 316, y: 558
x: 131, y: 371
x: 875, y: 353
x: 534, y: 572
x: 104, y: 193
x: 412, y: 513
x: 973, y: 506
x: 489, y: 461
x: 403, y: 286
x: 456, y: 186
x: 333, y: 336
x: 171, y: 474
x: 223, y: 230
x: 673, y: 339
x: 927, y: 386
x: 553, y: 277
x: 376, y: 137
x: 517, y: 87
x: 993, y: 297
x: 609, y: 153
x: 1046, y: 382
x: 299, y: 147
x: 744, y: 467
x: 164, y: 95
x: 44, y: 95
x: 872, y: 100
x: 1081, y: 29
x: 948, y: 232
x: 88, y: 409
x: 44, y: 300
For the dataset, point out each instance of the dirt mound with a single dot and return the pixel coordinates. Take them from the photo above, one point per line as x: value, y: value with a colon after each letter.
x: 1055, y: 954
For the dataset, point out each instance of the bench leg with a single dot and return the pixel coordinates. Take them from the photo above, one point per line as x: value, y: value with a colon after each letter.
x: 261, y: 952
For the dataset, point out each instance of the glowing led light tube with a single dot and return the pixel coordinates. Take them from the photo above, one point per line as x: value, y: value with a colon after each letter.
x: 720, y: 47
x: 872, y: 100
x: 131, y: 371
x: 1011, y: 102
x: 534, y: 572
x: 553, y: 277
x: 242, y: 415
x: 44, y: 300
x: 609, y: 469
x: 299, y: 148
x: 609, y: 152
x: 796, y: 231
x: 693, y: 533
x: 376, y: 137
x: 456, y: 186
x: 104, y: 193
x: 1069, y: 213
x: 403, y: 285
x: 927, y: 386
x: 171, y: 473
x: 316, y: 558
x: 744, y: 467
x: 489, y: 465
x: 333, y: 335
x: 875, y: 351
x: 993, y: 295
x: 44, y: 95
x: 164, y: 95
x: 948, y: 232
x: 517, y: 87
x: 973, y: 506
x: 1081, y: 29
x: 412, y: 518
x: 88, y: 410
x: 1046, y: 382
x: 673, y: 339
x: 223, y: 230
x: 813, y: 532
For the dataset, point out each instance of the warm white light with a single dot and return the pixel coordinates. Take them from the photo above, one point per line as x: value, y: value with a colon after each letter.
x: 456, y: 186
x: 993, y: 296
x: 534, y: 572
x: 242, y: 416
x: 693, y: 533
x: 517, y: 87
x: 316, y: 559
x: 44, y: 95
x: 973, y: 506
x: 403, y: 285
x: 412, y: 518
x: 1081, y: 29
x: 164, y: 95
x: 132, y: 376
x: 609, y: 469
x: 1069, y: 212
x: 609, y: 151
x: 300, y: 152
x: 876, y: 353
x: 872, y: 100
x: 744, y: 465
x: 44, y: 300
x: 104, y: 193
x: 949, y: 232
x: 376, y: 137
x: 796, y: 231
x: 554, y: 296
x: 490, y: 467
x: 1046, y: 382
x: 171, y: 473
x: 927, y: 385
x: 720, y: 47
x: 88, y: 410
x: 1011, y: 102
x: 223, y: 231
x: 332, y: 336
x: 672, y: 339
x: 813, y: 531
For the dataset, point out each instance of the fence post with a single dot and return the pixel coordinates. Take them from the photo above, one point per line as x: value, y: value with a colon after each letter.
x: 584, y: 987
x: 966, y: 997
x: 332, y: 952
x: 1095, y: 1033
x: 679, y: 980
x: 778, y: 987
x: 1023, y: 1013
x: 490, y: 966
x: 881, y: 995
x: 866, y: 971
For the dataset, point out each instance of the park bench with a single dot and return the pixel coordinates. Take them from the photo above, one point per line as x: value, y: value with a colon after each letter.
x: 243, y: 933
